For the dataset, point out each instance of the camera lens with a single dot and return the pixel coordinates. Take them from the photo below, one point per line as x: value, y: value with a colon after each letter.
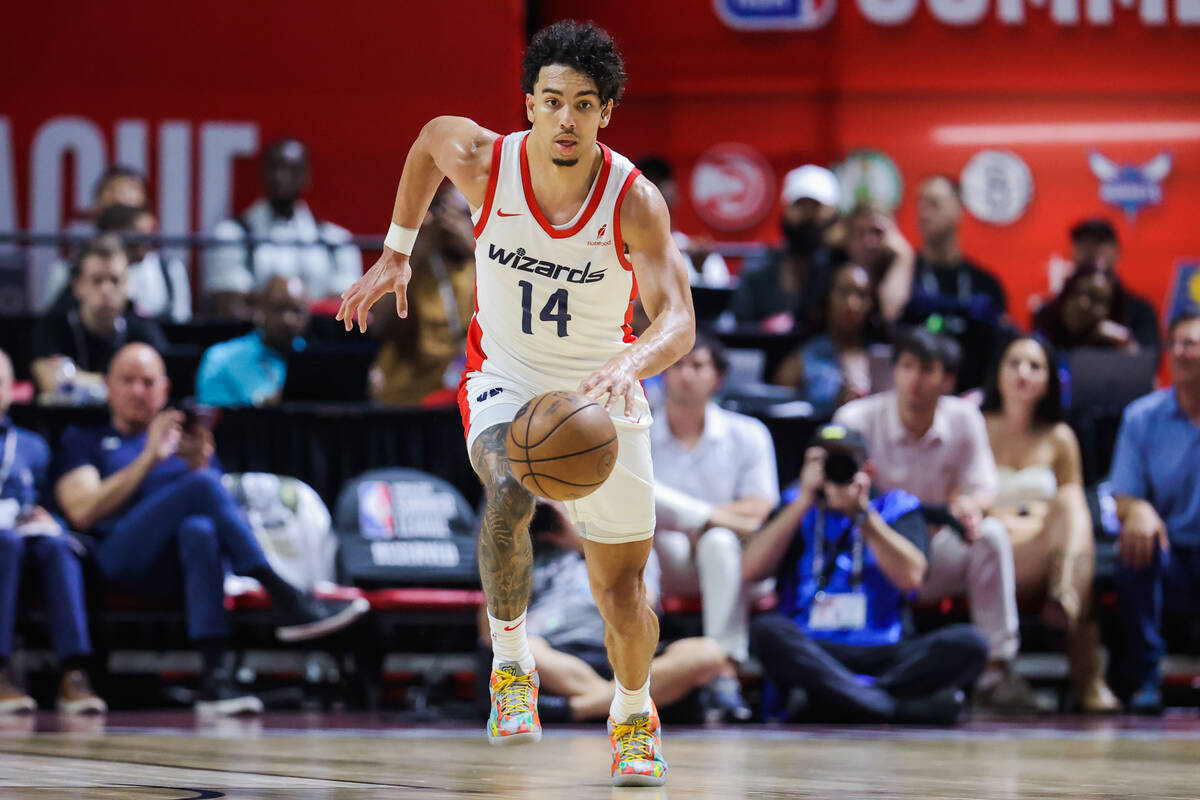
x: 840, y: 467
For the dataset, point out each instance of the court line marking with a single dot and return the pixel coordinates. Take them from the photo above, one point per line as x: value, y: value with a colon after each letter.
x: 328, y: 783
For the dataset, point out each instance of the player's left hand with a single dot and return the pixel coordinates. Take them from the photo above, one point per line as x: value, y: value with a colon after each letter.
x: 617, y: 379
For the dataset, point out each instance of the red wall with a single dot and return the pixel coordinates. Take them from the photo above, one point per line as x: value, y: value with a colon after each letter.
x: 355, y: 80
x: 813, y: 96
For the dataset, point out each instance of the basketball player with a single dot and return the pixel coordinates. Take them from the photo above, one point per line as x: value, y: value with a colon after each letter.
x: 567, y: 232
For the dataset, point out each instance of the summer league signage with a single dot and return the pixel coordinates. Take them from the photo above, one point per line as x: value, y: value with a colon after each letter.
x: 811, y: 15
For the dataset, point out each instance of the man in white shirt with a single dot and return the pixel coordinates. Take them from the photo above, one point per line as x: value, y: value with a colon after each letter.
x: 935, y: 446
x: 715, y: 484
x: 300, y: 246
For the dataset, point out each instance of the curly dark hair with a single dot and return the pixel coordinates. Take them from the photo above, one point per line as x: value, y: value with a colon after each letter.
x: 583, y: 47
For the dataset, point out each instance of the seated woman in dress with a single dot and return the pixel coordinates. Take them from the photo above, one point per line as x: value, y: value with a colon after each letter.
x: 1040, y: 499
x: 833, y: 367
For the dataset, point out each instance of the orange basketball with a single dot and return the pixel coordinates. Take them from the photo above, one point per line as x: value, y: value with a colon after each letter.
x: 562, y: 445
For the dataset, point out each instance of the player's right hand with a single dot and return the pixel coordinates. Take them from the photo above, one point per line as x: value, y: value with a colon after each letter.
x: 391, y: 273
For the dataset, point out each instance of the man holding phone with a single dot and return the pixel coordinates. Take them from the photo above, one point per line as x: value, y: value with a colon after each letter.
x: 845, y: 562
x: 148, y: 487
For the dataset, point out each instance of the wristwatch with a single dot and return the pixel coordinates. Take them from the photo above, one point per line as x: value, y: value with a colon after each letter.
x: 860, y: 518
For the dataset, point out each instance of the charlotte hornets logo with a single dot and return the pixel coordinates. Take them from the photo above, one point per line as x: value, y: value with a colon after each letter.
x: 1130, y: 187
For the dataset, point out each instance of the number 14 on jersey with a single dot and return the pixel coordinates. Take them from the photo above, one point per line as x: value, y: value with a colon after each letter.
x: 555, y: 309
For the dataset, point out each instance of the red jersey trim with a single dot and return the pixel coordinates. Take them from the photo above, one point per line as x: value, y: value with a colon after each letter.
x: 475, y: 359
x: 493, y: 180
x: 618, y: 242
x: 627, y: 328
x: 593, y: 204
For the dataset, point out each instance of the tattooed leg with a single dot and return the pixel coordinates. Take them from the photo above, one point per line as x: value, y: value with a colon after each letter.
x: 505, y: 553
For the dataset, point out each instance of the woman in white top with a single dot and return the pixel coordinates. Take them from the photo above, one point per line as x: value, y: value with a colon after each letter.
x: 1040, y: 498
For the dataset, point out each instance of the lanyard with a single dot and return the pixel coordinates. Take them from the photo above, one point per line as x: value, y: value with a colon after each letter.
x: 10, y: 455
x: 825, y: 572
x: 930, y: 283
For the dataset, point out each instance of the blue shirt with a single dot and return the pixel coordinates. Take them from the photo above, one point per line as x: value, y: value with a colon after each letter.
x: 1157, y: 459
x: 26, y: 479
x: 797, y: 584
x: 241, y: 372
x: 110, y: 451
x: 822, y: 375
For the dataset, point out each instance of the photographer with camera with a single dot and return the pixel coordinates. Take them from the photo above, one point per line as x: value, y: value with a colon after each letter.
x: 845, y: 562
x: 148, y: 488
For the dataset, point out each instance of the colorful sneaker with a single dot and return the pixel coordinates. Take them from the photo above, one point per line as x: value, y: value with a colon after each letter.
x: 637, y: 751
x: 514, y: 717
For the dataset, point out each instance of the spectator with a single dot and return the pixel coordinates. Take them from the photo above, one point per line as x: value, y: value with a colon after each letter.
x: 425, y: 352
x: 1040, y: 500
x: 715, y: 484
x: 148, y: 487
x: 252, y: 369
x: 935, y: 446
x: 73, y: 349
x: 1155, y: 472
x: 971, y: 301
x: 117, y: 185
x: 833, y: 367
x: 705, y: 268
x: 873, y: 241
x: 1086, y: 312
x: 567, y: 632
x: 157, y: 288
x: 1095, y: 241
x: 846, y: 560
x: 778, y: 288
x: 34, y: 543
x: 316, y: 252
x: 942, y: 268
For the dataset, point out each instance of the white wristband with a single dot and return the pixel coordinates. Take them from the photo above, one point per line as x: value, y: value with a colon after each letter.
x: 400, y: 239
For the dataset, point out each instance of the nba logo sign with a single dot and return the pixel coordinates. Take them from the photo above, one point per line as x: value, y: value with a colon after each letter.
x: 802, y: 15
x: 1130, y: 187
x: 376, y: 515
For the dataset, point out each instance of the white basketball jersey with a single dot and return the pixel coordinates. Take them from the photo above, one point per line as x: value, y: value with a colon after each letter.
x: 552, y: 304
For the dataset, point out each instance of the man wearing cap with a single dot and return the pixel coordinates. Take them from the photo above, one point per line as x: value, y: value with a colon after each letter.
x: 781, y: 287
x: 845, y: 561
x: 935, y: 446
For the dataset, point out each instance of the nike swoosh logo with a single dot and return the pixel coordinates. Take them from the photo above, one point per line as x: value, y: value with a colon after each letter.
x: 514, y: 627
x: 502, y: 214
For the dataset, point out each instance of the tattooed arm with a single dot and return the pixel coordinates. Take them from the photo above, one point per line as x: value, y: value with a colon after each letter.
x: 505, y: 552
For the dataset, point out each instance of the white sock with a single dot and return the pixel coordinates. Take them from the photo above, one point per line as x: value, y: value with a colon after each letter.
x: 630, y: 702
x: 510, y: 643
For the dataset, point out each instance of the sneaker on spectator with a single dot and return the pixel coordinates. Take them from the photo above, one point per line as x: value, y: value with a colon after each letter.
x: 12, y: 699
x: 1007, y: 694
x: 1147, y: 699
x: 313, y: 617
x: 219, y: 696
x: 76, y: 696
x: 944, y: 708
x: 723, y: 700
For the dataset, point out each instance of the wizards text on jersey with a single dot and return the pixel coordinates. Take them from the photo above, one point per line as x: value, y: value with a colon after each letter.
x: 518, y: 260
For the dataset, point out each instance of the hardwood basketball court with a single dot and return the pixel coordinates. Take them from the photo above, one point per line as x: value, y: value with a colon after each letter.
x: 169, y: 756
